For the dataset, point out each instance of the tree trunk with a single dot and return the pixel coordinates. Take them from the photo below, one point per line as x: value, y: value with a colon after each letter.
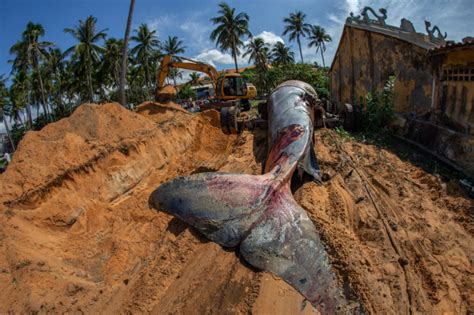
x: 322, y: 56
x: 9, y: 133
x: 234, y: 54
x: 29, y: 115
x: 148, y: 80
x: 89, y: 83
x: 123, y: 73
x: 43, y: 98
x: 299, y: 45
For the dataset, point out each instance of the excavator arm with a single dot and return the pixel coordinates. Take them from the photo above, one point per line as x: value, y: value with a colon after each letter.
x: 183, y: 63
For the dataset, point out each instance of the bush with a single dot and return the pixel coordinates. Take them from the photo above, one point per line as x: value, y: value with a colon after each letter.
x: 379, y: 111
x: 186, y: 92
x: 275, y: 75
x: 17, y: 133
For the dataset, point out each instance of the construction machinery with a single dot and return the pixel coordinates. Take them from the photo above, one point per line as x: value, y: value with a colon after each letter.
x: 230, y: 88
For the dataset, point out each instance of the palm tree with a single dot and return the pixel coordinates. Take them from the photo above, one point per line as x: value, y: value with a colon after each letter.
x: 194, y: 76
x: 31, y: 52
x: 55, y: 71
x: 145, y: 50
x: 318, y: 38
x: 173, y: 46
x: 297, y: 28
x: 230, y: 29
x: 282, y: 55
x: 111, y: 64
x: 258, y: 52
x: 4, y: 103
x: 20, y: 67
x: 86, y: 53
x: 123, y: 72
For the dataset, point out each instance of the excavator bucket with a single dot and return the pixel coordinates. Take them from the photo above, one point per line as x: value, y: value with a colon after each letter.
x: 165, y: 93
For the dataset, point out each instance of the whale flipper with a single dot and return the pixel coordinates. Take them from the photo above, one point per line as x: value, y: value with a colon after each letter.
x: 221, y: 206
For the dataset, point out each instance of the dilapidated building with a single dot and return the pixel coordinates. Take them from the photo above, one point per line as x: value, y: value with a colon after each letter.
x: 370, y: 51
x: 434, y: 89
x: 453, y: 85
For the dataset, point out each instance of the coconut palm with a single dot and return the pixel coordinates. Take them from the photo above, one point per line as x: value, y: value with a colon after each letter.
x: 296, y: 28
x: 282, y: 55
x: 111, y: 64
x: 55, y: 70
x: 318, y: 37
x: 230, y: 29
x: 86, y: 53
x: 4, y: 108
x: 194, y: 76
x: 31, y: 52
x: 173, y: 46
x: 123, y: 72
x: 257, y: 51
x: 143, y: 52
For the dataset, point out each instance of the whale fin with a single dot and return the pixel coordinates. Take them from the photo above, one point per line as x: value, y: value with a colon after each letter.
x: 259, y: 213
x: 287, y: 244
x: 221, y: 206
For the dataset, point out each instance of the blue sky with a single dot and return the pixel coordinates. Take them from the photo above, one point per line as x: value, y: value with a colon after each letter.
x: 189, y: 20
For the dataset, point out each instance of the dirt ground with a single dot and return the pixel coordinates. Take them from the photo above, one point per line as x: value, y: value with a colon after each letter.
x: 77, y: 234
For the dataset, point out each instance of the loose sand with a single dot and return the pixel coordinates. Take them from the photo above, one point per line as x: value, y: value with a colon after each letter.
x: 77, y: 234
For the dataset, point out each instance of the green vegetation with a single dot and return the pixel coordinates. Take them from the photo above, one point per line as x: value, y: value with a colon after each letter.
x: 378, y: 108
x: 317, y: 77
x: 186, y: 92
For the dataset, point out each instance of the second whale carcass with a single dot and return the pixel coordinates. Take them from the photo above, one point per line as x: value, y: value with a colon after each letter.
x: 258, y: 212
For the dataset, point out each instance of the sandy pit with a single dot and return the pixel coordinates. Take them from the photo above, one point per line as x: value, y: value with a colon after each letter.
x: 77, y: 233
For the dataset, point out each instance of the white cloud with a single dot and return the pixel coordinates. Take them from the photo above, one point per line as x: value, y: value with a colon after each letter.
x: 214, y: 56
x: 197, y: 31
x: 270, y: 38
x: 160, y: 23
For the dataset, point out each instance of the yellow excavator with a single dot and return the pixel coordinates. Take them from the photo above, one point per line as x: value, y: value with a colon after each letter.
x: 230, y: 88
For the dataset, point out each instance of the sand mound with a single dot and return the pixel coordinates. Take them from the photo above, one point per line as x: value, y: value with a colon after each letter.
x: 77, y: 235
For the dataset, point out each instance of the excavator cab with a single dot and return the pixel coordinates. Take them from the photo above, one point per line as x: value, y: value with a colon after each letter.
x: 231, y: 86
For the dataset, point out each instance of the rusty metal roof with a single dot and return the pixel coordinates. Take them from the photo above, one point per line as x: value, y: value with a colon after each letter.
x: 451, y: 45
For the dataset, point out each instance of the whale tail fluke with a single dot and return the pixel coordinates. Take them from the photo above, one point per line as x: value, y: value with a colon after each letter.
x: 258, y: 213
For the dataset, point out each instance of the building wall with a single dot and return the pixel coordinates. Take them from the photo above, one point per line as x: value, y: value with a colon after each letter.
x: 365, y: 60
x: 455, y: 90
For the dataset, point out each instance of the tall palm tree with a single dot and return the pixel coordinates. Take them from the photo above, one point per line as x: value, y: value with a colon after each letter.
x: 20, y: 68
x: 147, y: 44
x: 318, y: 37
x: 55, y: 71
x: 111, y: 65
x: 18, y: 97
x: 33, y: 52
x: 230, y: 29
x: 173, y: 46
x: 257, y: 51
x: 86, y: 53
x: 123, y: 72
x: 296, y: 28
x: 4, y: 110
x: 282, y: 55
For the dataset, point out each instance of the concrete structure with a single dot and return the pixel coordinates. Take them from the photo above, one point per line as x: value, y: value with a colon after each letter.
x: 370, y: 51
x: 453, y: 85
x: 434, y: 91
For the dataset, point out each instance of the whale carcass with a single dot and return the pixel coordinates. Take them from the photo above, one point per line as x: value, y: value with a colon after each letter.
x: 258, y: 212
